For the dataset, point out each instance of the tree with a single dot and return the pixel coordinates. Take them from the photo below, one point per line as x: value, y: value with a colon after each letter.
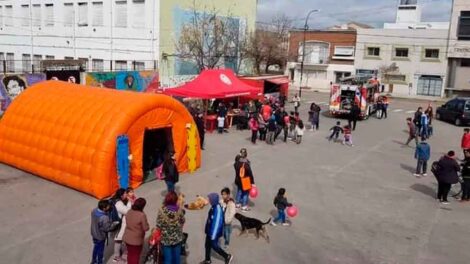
x: 208, y: 39
x: 268, y: 45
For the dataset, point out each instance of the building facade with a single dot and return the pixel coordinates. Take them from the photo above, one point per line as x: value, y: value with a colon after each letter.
x: 329, y: 56
x: 459, y: 49
x: 409, y: 17
x: 109, y: 35
x: 410, y: 62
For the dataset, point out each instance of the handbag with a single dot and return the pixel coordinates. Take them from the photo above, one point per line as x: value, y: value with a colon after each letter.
x: 245, y: 181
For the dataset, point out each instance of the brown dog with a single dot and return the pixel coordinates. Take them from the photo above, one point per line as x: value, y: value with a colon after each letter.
x: 198, y: 204
x: 252, y: 223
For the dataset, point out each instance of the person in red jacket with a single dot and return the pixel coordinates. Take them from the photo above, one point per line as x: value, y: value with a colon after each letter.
x: 465, y: 144
x: 254, y: 126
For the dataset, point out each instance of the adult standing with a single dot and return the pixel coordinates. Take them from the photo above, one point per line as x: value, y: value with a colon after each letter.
x: 170, y: 221
x: 315, y: 110
x: 384, y: 107
x: 424, y: 125
x: 254, y: 127
x: 466, y: 180
x: 244, y: 180
x: 296, y: 101
x: 214, y: 230
x: 136, y: 226
x: 430, y: 112
x: 199, y: 119
x: 123, y: 205
x: 447, y: 175
x: 266, y: 111
x: 261, y: 127
x: 170, y: 171
x: 354, y: 116
x: 417, y: 120
x: 271, y: 127
x: 411, y: 131
x: 465, y: 142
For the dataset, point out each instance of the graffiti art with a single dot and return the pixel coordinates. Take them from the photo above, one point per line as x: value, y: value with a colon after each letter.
x: 12, y: 85
x: 140, y: 81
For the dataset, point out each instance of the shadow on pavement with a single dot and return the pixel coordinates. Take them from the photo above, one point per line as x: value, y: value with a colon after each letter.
x: 424, y: 189
x: 408, y: 168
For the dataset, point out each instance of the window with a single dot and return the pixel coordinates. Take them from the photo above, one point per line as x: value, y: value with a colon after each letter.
x: 429, y: 85
x: 373, y: 51
x: 431, y: 53
x: 49, y: 15
x: 120, y: 14
x: 10, y: 62
x: 315, y: 52
x: 50, y: 57
x: 344, y: 52
x: 463, y: 30
x: 82, y: 14
x: 139, y: 13
x: 8, y: 16
x: 25, y: 15
x: 121, y: 65
x: 26, y: 61
x: 37, y: 62
x: 139, y: 65
x: 408, y: 2
x: 84, y: 62
x: 465, y: 63
x: 68, y: 58
x: 37, y: 15
x: 1, y: 17
x: 69, y: 14
x: 97, y: 65
x: 2, y: 58
x: 401, y: 52
x: 97, y: 14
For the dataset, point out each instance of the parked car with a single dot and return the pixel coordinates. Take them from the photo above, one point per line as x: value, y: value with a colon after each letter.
x: 456, y: 111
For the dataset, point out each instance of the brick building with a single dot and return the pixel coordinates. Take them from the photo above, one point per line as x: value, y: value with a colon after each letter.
x: 329, y: 56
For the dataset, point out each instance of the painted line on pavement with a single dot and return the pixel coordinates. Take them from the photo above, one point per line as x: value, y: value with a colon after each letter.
x: 410, y: 112
x: 397, y: 110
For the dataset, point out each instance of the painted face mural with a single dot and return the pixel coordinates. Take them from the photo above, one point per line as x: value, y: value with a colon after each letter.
x: 14, y: 86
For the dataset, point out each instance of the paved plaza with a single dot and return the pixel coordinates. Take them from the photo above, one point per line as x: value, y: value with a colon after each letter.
x: 357, y: 205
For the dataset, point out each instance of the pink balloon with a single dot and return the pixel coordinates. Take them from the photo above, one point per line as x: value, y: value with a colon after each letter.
x: 292, y: 211
x: 253, y: 192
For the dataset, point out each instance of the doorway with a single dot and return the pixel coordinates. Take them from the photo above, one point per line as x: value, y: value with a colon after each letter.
x: 157, y: 143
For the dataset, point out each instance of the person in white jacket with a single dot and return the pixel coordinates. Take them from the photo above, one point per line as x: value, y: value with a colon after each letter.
x: 123, y: 205
x: 228, y: 205
x: 299, y: 131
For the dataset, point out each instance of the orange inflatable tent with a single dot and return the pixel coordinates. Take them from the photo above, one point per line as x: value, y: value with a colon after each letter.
x: 67, y: 133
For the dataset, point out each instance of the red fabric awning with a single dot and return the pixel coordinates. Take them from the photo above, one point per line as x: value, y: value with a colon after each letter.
x: 212, y: 84
x: 279, y: 80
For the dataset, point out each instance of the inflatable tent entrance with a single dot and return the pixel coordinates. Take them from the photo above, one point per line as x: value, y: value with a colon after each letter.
x: 67, y: 133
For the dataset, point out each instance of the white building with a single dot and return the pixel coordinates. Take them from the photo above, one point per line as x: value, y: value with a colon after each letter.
x: 409, y: 62
x: 98, y: 31
x: 459, y: 49
x: 409, y: 17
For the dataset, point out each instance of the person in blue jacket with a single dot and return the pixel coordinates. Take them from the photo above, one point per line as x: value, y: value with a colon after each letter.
x: 214, y: 230
x: 422, y: 154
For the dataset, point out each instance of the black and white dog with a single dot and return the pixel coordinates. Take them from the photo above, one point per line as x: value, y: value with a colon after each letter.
x: 252, y: 223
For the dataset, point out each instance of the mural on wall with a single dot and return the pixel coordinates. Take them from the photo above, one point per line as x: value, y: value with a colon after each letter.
x: 71, y: 76
x: 140, y: 81
x: 13, y: 84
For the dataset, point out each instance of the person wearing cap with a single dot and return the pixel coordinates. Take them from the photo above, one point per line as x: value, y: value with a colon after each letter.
x: 447, y: 175
x: 214, y: 230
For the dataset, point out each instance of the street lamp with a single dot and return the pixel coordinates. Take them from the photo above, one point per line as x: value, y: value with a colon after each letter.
x: 303, y: 49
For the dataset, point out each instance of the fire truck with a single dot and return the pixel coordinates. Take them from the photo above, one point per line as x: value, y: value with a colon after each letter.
x: 351, y: 90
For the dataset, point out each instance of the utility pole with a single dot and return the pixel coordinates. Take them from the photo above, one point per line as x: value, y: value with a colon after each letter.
x: 303, y: 50
x: 32, y: 35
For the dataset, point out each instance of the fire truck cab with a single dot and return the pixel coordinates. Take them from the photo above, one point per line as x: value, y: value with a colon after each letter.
x: 354, y: 90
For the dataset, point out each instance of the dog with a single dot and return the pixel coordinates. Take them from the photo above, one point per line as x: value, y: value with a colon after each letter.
x: 252, y: 223
x: 198, y: 204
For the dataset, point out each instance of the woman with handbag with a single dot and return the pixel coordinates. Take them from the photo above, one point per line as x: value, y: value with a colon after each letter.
x: 136, y: 226
x: 170, y: 221
x: 243, y: 180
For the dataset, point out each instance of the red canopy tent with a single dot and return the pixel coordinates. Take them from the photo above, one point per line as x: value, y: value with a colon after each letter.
x: 211, y: 84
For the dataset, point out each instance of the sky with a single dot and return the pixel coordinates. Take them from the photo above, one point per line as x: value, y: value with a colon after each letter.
x: 334, y: 12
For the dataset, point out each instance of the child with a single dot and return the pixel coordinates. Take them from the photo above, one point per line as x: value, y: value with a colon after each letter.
x: 299, y: 131
x: 422, y: 154
x: 100, y: 226
x: 228, y: 206
x: 220, y: 124
x: 335, y: 131
x: 280, y: 201
x: 347, y: 136
x: 131, y: 195
x: 254, y: 126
